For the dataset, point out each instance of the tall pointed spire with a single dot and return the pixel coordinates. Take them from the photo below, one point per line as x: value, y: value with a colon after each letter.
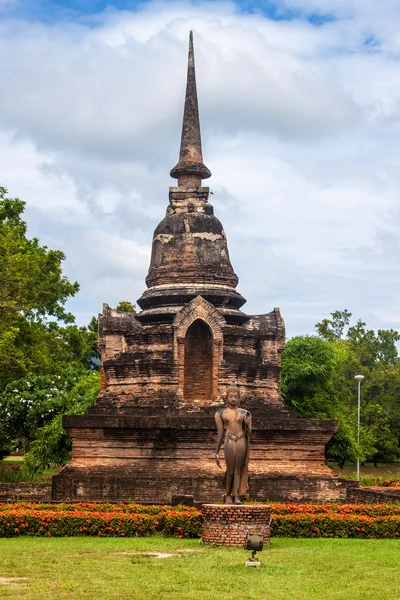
x: 190, y: 169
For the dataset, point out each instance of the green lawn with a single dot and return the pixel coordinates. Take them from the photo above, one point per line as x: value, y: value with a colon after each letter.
x: 385, y: 470
x: 292, y: 569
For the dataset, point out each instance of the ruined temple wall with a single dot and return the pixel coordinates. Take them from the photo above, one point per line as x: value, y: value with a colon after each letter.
x: 253, y: 358
x: 148, y: 366
x: 145, y: 367
x: 145, y: 362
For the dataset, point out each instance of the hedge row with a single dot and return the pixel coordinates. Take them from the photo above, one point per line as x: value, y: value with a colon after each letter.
x: 65, y: 522
x: 390, y: 483
x: 129, y: 520
x: 335, y: 509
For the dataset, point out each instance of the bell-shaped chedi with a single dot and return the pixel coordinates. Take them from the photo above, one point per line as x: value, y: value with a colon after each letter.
x: 189, y: 252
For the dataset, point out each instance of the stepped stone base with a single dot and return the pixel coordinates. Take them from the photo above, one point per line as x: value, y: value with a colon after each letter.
x: 228, y: 525
x: 119, y: 485
x: 150, y: 459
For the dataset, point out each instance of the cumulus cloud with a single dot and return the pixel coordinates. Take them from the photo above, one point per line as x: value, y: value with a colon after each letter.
x: 300, y: 122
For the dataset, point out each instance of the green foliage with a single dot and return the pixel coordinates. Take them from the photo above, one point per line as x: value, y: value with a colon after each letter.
x: 73, y: 345
x: 336, y: 526
x: 343, y: 446
x: 29, y: 403
x: 31, y: 412
x: 32, y: 290
x: 368, y: 346
x: 31, y: 279
x: 318, y: 382
x: 126, y: 306
x: 307, y: 369
x: 10, y: 475
x: 333, y: 329
x: 5, y: 444
x: 52, y: 445
x: 370, y: 480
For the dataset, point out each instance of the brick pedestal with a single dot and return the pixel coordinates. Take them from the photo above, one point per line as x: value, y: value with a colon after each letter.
x: 228, y: 525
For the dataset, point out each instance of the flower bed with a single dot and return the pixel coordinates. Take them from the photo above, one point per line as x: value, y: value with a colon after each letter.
x: 129, y: 520
x: 390, y: 483
x: 336, y: 520
x: 111, y: 520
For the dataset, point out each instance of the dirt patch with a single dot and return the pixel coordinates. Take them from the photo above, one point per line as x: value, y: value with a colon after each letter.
x: 156, y: 554
x: 153, y: 554
x: 9, y: 580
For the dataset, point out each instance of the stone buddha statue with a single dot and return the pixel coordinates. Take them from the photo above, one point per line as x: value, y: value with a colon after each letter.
x: 235, y: 423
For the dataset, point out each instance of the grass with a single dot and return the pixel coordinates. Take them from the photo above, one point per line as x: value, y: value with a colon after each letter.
x: 15, y: 476
x: 369, y: 474
x: 382, y: 470
x: 10, y: 471
x: 87, y: 568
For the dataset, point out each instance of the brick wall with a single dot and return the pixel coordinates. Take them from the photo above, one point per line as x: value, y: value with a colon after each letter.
x: 31, y: 492
x: 228, y: 525
x: 373, y: 495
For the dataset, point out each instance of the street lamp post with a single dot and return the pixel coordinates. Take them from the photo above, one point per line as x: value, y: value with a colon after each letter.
x: 359, y: 379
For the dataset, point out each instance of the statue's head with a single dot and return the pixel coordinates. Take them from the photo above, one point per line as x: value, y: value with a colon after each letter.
x: 233, y: 395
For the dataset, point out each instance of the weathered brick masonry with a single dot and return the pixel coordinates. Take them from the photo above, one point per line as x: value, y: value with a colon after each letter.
x: 31, y: 492
x: 164, y: 372
x: 373, y: 495
x: 228, y: 525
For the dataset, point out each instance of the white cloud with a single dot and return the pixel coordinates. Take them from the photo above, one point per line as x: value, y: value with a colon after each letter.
x: 300, y: 129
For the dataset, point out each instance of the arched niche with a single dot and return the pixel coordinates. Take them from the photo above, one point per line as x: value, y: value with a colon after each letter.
x: 198, y: 361
x: 198, y: 336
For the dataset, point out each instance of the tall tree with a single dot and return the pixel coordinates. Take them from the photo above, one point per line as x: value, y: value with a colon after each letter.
x: 31, y: 279
x: 307, y: 376
x: 360, y: 350
x: 33, y: 290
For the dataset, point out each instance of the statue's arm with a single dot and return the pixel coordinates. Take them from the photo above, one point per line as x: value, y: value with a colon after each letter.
x: 248, y: 423
x: 220, y: 435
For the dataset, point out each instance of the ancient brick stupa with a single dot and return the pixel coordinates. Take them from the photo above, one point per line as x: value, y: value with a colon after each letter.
x: 151, y: 434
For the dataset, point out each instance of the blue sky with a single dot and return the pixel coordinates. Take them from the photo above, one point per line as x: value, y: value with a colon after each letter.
x: 47, y: 10
x: 300, y: 113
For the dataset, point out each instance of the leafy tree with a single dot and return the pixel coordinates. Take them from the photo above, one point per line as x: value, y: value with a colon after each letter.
x: 5, y: 444
x: 75, y: 345
x: 33, y: 401
x: 31, y: 279
x: 307, y: 371
x: 318, y: 382
x: 52, y: 445
x: 333, y: 329
x: 343, y: 446
x: 381, y: 411
x: 126, y: 306
x: 370, y: 347
x: 360, y: 350
x: 32, y: 290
